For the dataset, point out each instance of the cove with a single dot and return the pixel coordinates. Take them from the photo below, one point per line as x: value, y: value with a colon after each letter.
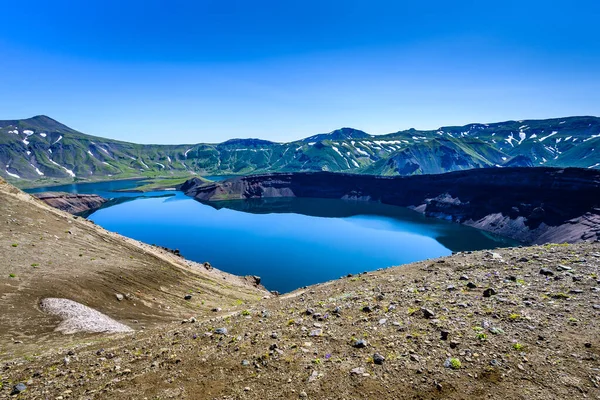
x: 288, y: 242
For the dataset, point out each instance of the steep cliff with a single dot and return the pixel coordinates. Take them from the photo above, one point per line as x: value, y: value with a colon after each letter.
x: 533, y: 205
x: 71, y: 202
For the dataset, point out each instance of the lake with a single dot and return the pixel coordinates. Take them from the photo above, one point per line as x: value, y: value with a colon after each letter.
x: 289, y: 243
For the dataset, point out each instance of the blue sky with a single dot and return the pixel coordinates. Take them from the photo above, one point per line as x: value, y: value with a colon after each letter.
x: 206, y: 71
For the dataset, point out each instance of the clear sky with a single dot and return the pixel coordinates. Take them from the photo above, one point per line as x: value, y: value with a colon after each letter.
x: 205, y: 71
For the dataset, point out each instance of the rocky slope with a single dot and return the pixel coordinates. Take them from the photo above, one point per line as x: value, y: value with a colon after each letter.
x: 40, y: 150
x: 519, y: 323
x: 47, y: 253
x: 71, y: 202
x: 533, y: 205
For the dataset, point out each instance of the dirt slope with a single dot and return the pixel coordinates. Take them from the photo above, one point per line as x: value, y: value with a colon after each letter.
x: 535, y: 337
x: 45, y: 252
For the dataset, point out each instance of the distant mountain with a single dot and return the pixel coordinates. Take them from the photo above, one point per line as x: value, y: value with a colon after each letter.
x: 41, y: 149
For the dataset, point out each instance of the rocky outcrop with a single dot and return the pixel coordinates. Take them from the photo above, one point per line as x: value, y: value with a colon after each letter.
x: 533, y: 205
x: 72, y: 202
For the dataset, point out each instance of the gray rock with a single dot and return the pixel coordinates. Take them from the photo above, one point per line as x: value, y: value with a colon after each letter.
x: 451, y: 288
x: 18, y: 388
x: 427, y: 313
x: 119, y: 296
x: 444, y: 335
x: 316, y: 332
x: 361, y: 343
x: 489, y: 292
x: 221, y: 331
x: 471, y: 285
x: 367, y: 309
x: 378, y: 359
x: 357, y: 371
x: 563, y: 268
x: 187, y: 297
x: 245, y: 363
x: 546, y: 272
x: 463, y: 278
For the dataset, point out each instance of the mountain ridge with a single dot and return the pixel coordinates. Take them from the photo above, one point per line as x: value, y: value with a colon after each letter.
x: 40, y: 150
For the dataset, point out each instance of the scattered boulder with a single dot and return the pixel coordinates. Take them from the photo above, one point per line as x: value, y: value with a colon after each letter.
x: 489, y: 292
x: 378, y: 359
x: 119, y: 296
x: 18, y: 388
x: 427, y: 313
x: 361, y: 344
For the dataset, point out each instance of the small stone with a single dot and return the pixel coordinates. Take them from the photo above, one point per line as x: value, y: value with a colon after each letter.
x: 427, y: 313
x: 303, y: 395
x: 367, y: 309
x: 444, y: 335
x: 563, y: 268
x: 316, y: 332
x: 463, y: 278
x: 247, y: 389
x: 361, y: 343
x: 357, y: 371
x: 489, y: 292
x: 216, y: 309
x: 309, y: 311
x: 274, y: 335
x: 546, y: 272
x: 587, y: 345
x: 471, y: 285
x: 245, y: 363
x: 382, y: 321
x: 221, y: 331
x: 451, y: 288
x: 187, y: 297
x: 119, y: 296
x: 378, y: 359
x: 18, y: 388
x: 414, y: 357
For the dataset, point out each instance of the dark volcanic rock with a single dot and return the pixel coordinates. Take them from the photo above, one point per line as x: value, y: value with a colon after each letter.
x: 533, y: 205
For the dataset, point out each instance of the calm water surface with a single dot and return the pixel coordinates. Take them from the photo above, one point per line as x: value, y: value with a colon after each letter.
x: 290, y: 243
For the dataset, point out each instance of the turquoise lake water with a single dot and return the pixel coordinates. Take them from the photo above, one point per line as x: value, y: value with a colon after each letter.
x: 289, y: 243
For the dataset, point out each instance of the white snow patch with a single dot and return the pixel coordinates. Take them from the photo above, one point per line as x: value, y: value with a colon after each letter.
x: 594, y: 166
x: 50, y: 151
x: 546, y: 137
x: 568, y: 138
x: 90, y: 153
x: 560, y: 123
x: 16, y: 132
x: 361, y: 151
x: 28, y: 132
x: 558, y: 140
x: 65, y: 168
x: 162, y: 165
x: 591, y: 137
x: 13, y: 175
x: 40, y: 173
x: 503, y: 158
x: 26, y: 142
x: 522, y: 136
x: 169, y: 159
x: 355, y: 163
x: 28, y: 153
x: 43, y: 134
x: 79, y: 318
x: 337, y: 151
x: 533, y: 136
x: 58, y: 140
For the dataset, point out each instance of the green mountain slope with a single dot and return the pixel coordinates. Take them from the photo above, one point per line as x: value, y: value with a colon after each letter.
x: 40, y: 150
